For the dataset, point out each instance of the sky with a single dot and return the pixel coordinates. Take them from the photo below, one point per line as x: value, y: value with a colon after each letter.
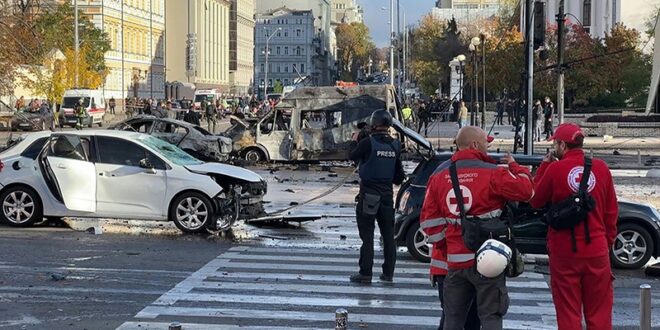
x: 633, y: 13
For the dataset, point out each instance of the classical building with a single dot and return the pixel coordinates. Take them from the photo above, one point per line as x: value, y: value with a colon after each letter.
x: 197, y: 42
x: 597, y: 16
x: 465, y: 10
x: 135, y: 61
x: 346, y: 11
x: 291, y: 49
x: 324, y: 39
x: 241, y: 46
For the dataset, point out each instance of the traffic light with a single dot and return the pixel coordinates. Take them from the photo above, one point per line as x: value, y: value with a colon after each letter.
x: 191, y: 52
x: 539, y: 24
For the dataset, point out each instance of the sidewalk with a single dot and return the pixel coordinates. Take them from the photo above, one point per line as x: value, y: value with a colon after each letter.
x: 443, y: 134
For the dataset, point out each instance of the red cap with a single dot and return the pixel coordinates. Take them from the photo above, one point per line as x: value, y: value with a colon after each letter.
x: 490, y: 139
x: 567, y: 132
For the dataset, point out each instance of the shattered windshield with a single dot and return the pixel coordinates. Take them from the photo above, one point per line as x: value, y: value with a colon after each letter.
x: 170, y: 151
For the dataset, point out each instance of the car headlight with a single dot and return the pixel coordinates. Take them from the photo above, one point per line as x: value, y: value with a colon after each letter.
x: 656, y: 213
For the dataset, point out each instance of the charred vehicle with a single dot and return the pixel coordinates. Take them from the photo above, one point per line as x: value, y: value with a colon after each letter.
x: 26, y: 120
x: 311, y: 123
x: 193, y: 139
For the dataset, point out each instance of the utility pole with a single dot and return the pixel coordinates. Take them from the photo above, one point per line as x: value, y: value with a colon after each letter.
x: 561, y: 19
x: 392, y: 36
x: 266, y: 53
x: 529, y: 26
x: 398, y: 44
x: 483, y: 79
x: 76, y: 42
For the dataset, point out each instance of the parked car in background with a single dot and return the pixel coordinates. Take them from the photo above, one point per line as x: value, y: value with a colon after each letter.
x: 637, y: 241
x: 26, y: 120
x: 193, y: 139
x: 124, y: 175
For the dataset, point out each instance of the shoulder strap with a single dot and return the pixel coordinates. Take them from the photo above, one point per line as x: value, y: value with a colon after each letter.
x: 457, y: 189
x: 585, y: 175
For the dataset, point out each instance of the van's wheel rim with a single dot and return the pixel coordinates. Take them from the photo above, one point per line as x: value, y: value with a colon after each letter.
x: 18, y: 207
x: 629, y: 247
x: 192, y: 213
x: 253, y: 156
x: 422, y: 245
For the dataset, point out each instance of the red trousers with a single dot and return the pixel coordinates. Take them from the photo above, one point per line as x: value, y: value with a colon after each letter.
x: 582, y: 284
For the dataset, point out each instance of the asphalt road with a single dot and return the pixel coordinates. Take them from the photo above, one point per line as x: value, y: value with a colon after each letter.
x: 145, y: 275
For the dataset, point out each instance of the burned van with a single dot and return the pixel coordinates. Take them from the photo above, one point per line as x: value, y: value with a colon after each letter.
x: 311, y: 123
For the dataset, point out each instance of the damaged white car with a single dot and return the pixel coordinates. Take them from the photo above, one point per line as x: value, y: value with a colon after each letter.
x: 193, y: 139
x: 123, y: 175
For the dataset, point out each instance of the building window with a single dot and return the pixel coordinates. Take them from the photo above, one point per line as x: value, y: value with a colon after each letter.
x: 286, y: 68
x: 294, y: 68
x: 261, y: 67
x: 298, y: 32
x: 286, y: 81
x: 266, y: 33
x: 286, y: 50
x: 279, y: 68
x: 302, y: 67
x: 277, y: 50
x: 298, y: 51
x: 586, y: 13
x: 270, y: 82
x: 279, y: 33
x: 286, y: 32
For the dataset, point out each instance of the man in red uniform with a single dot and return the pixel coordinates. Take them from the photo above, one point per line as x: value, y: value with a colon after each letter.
x: 486, y: 188
x: 581, y: 278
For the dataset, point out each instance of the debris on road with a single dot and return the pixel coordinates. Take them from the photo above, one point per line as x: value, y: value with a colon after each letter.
x: 290, y: 190
x: 57, y: 277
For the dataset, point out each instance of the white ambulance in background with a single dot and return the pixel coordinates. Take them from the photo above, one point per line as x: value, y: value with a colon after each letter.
x: 93, y: 101
x: 210, y: 95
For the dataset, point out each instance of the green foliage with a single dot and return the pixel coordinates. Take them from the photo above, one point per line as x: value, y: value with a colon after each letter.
x: 278, y: 88
x: 56, y: 31
x: 354, y: 46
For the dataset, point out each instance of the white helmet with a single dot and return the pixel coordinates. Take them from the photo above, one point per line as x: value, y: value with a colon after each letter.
x: 492, y: 258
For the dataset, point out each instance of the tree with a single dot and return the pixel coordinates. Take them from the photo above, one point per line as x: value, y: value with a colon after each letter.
x: 425, y: 64
x: 651, y: 21
x: 278, y: 88
x: 55, y: 77
x: 354, y: 46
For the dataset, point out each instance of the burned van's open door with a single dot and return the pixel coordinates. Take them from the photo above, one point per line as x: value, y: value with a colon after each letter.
x: 273, y: 133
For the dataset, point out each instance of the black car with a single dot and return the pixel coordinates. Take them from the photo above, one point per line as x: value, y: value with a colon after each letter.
x: 27, y: 120
x: 639, y: 224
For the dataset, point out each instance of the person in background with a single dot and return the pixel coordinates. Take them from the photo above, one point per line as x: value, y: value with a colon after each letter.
x: 112, y: 104
x: 462, y: 115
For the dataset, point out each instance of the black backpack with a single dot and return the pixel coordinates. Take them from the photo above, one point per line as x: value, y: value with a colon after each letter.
x: 570, y: 212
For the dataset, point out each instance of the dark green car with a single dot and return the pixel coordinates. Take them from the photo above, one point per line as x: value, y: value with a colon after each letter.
x: 637, y: 241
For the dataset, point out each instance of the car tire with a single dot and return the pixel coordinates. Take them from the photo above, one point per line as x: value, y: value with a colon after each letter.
x: 416, y: 243
x: 633, y: 247
x: 21, y: 207
x: 254, y: 155
x: 191, y: 212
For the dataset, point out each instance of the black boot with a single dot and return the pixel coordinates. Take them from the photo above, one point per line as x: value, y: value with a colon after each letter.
x: 359, y: 278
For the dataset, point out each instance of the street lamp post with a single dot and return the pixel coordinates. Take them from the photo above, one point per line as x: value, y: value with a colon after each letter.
x: 266, y: 53
x: 392, y: 42
x: 474, y: 43
x: 482, y: 39
x: 76, y: 42
x: 461, y: 63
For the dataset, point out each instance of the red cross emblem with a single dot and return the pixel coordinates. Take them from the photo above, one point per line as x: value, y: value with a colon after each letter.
x: 452, y: 201
x: 575, y: 177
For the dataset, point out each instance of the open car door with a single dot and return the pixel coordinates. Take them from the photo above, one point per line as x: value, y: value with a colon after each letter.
x: 75, y: 176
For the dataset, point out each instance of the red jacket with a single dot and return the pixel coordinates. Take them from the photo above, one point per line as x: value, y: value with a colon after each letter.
x: 486, y: 187
x: 556, y: 181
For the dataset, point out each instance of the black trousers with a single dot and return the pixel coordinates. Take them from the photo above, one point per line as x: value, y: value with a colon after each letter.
x: 472, y: 322
x: 492, y: 298
x: 384, y: 215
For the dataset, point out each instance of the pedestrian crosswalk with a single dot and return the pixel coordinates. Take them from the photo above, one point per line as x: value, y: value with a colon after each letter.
x: 297, y: 288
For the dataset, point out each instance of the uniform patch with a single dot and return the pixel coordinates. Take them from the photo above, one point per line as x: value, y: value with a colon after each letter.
x: 575, y: 176
x: 386, y: 154
x: 452, y: 202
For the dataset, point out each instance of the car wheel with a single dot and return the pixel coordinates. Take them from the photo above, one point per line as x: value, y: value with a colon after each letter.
x: 191, y: 212
x: 416, y: 241
x: 633, y: 247
x: 254, y: 155
x: 21, y: 207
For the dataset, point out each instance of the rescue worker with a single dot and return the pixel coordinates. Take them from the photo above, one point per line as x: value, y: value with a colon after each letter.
x: 407, y: 113
x: 379, y: 166
x: 81, y: 113
x: 211, y: 113
x: 581, y: 278
x: 548, y: 114
x: 486, y: 188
